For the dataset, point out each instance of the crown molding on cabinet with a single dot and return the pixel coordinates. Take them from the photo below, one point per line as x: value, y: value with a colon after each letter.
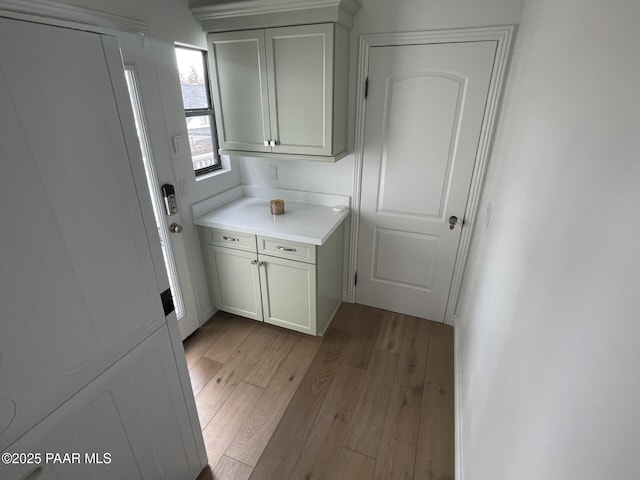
x: 259, y: 7
x: 273, y: 13
x: 52, y: 12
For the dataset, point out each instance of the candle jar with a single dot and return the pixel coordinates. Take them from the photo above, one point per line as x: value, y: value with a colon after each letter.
x: 277, y: 207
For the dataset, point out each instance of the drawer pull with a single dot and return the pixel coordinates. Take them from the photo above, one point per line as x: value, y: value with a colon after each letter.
x: 286, y: 249
x: 231, y: 239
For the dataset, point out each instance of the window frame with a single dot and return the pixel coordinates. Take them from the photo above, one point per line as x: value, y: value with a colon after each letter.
x: 203, y: 112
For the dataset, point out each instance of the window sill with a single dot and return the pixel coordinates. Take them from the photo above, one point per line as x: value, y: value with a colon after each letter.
x: 215, y: 173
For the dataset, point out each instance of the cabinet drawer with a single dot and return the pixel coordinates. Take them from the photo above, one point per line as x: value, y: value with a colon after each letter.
x: 231, y: 239
x: 303, y: 252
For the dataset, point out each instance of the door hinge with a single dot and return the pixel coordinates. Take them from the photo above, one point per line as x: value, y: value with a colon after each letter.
x: 366, y: 88
x: 355, y: 280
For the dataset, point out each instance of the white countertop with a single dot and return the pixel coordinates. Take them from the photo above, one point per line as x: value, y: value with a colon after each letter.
x: 300, y: 222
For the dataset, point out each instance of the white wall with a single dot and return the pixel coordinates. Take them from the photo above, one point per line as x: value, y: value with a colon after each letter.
x: 377, y: 16
x: 547, y: 332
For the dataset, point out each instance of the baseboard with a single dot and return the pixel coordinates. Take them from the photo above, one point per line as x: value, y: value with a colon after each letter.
x: 204, y: 318
x: 459, y: 474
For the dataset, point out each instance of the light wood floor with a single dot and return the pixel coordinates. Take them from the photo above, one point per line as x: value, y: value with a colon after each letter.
x: 372, y: 400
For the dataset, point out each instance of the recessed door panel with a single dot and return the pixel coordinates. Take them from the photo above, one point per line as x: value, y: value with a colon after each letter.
x: 417, y: 162
x: 128, y: 423
x: 101, y: 414
x: 404, y: 259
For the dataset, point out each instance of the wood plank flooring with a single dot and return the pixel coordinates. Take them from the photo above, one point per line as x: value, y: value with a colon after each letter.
x: 372, y: 400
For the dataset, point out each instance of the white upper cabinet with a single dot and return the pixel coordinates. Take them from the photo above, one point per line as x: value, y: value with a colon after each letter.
x: 282, y: 92
x: 300, y: 77
x: 240, y: 97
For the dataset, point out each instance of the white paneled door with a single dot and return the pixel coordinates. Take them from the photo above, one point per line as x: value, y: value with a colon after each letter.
x: 78, y: 285
x: 423, y: 120
x: 80, y: 278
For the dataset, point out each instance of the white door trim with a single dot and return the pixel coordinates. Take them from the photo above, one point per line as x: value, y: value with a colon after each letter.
x: 503, y: 35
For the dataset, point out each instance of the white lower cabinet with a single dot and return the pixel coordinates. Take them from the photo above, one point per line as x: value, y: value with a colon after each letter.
x: 288, y: 293
x: 235, y: 279
x: 290, y: 284
x: 130, y: 423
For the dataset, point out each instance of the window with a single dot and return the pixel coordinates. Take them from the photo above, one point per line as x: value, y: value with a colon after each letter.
x: 196, y: 97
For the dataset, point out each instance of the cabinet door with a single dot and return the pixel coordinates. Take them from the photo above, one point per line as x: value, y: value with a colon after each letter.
x: 239, y: 76
x: 300, y: 69
x: 236, y: 283
x: 288, y: 293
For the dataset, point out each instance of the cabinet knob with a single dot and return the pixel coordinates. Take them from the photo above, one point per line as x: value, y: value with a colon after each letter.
x: 273, y: 143
x: 266, y: 143
x: 261, y: 264
x: 254, y: 262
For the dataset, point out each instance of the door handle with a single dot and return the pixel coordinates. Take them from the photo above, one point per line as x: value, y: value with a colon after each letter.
x: 175, y: 228
x: 453, y: 221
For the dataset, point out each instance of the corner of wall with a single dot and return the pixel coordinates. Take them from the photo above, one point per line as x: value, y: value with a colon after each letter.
x: 458, y: 451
